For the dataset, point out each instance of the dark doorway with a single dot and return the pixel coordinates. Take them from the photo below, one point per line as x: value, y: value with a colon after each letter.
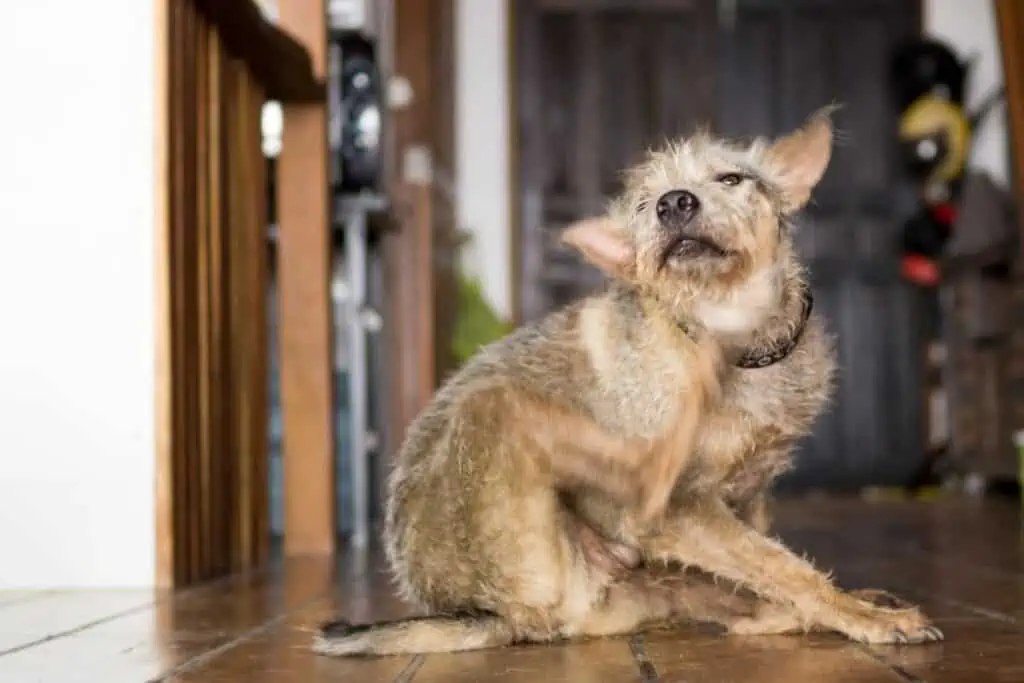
x: 599, y: 80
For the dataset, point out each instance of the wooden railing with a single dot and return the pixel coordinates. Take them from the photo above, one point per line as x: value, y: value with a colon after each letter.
x: 220, y: 61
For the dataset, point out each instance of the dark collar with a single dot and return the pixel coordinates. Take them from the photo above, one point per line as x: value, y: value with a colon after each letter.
x: 777, y: 349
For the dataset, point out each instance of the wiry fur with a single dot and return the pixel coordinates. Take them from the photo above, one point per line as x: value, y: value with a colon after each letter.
x: 607, y: 467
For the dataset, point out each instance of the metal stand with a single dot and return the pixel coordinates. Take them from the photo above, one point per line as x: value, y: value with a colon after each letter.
x: 358, y: 321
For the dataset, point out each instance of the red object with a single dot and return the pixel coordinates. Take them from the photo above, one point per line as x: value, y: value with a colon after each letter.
x: 944, y: 213
x: 920, y: 270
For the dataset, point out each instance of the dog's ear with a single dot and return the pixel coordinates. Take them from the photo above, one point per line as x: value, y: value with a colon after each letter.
x: 799, y: 159
x: 602, y: 244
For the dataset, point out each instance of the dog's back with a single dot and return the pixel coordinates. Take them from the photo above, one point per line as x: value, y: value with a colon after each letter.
x: 473, y: 536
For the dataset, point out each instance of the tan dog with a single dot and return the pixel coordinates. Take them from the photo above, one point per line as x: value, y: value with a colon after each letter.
x: 557, y: 484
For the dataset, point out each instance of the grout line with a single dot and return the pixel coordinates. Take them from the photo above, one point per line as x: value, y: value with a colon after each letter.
x: 208, y: 655
x: 895, y: 668
x: 648, y: 673
x: 77, y: 629
x: 918, y: 595
x: 410, y: 669
x: 162, y: 597
x: 980, y: 611
x: 983, y: 611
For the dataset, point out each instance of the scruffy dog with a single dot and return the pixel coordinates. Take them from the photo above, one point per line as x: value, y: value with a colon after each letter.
x: 606, y: 468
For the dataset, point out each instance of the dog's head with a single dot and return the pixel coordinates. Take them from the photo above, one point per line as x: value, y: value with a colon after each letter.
x: 704, y: 221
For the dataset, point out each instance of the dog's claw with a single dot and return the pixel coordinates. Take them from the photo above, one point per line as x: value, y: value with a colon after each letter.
x: 897, y: 622
x: 928, y: 634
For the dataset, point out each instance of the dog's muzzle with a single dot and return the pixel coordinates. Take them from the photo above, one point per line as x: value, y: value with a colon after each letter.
x: 676, y: 211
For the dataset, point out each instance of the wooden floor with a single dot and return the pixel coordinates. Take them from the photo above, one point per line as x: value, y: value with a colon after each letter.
x: 964, y: 561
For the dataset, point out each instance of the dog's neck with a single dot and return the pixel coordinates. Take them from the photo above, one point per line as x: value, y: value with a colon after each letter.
x: 760, y: 322
x: 733, y: 317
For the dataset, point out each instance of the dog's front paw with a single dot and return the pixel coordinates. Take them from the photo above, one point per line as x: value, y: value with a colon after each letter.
x: 868, y: 623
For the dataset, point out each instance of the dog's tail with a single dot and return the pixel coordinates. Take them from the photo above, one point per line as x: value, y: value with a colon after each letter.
x: 416, y: 635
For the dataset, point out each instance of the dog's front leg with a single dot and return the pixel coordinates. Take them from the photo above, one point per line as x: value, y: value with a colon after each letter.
x: 708, y: 535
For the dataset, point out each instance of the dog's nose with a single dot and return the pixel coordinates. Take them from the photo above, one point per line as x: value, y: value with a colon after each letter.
x: 677, y: 206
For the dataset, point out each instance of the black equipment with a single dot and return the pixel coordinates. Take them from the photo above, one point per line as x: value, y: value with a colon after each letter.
x: 354, y: 93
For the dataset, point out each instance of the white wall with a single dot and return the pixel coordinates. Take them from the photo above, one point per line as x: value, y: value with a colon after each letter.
x: 482, y: 121
x: 969, y: 26
x: 482, y: 154
x: 77, y: 294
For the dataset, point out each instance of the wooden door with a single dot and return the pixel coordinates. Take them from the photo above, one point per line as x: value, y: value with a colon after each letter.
x: 782, y: 60
x: 600, y: 80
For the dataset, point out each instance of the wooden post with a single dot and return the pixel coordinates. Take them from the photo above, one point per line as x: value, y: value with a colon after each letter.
x: 1010, y: 21
x: 164, y: 370
x: 1010, y: 26
x: 305, y: 321
x: 423, y: 55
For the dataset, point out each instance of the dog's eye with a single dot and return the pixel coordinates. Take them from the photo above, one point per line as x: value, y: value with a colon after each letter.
x: 641, y: 206
x: 730, y: 179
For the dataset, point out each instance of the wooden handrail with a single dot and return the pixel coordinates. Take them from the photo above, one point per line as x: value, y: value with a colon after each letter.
x: 218, y: 69
x: 279, y: 62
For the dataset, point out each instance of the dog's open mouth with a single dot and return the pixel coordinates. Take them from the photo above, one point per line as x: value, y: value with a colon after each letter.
x: 690, y: 246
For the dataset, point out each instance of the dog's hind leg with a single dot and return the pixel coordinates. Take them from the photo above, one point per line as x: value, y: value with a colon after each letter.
x: 629, y: 606
x: 651, y: 597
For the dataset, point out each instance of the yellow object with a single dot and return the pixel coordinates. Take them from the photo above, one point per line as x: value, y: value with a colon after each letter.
x: 929, y: 115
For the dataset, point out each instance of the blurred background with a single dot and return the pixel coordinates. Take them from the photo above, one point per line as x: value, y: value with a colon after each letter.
x: 245, y: 241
